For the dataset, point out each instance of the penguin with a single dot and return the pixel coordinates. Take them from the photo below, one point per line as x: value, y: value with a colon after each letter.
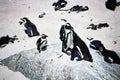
x: 83, y: 49
x: 65, y: 29
x: 111, y: 4
x: 31, y: 29
x: 72, y: 42
x: 42, y: 43
x: 108, y: 55
x: 59, y: 4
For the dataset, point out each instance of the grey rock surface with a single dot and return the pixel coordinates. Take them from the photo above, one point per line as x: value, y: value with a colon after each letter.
x: 52, y: 64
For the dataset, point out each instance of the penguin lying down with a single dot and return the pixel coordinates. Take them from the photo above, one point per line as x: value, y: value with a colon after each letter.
x: 109, y: 56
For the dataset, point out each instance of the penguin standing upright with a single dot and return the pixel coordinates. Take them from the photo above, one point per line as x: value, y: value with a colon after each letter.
x: 73, y: 43
x: 42, y: 43
x: 64, y: 30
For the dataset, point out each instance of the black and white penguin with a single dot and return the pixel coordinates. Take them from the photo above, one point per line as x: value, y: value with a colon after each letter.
x: 31, y: 29
x: 42, y: 43
x: 4, y: 40
x: 78, y: 42
x: 109, y: 56
x: 72, y: 42
x: 111, y: 4
x: 64, y: 31
x: 59, y: 4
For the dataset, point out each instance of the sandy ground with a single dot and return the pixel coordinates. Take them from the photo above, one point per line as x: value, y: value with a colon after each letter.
x: 12, y: 10
x: 6, y: 74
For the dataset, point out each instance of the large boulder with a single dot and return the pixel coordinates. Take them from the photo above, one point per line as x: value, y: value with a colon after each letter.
x: 52, y: 64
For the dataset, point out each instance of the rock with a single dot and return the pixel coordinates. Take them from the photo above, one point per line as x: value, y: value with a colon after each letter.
x: 52, y: 64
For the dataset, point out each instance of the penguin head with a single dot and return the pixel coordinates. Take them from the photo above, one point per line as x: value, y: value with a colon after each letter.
x: 68, y: 26
x: 43, y: 36
x: 24, y: 20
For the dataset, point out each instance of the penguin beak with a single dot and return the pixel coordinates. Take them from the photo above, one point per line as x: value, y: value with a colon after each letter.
x: 21, y: 21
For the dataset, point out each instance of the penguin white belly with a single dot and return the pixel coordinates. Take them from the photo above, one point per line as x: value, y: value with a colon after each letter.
x: 80, y: 53
x: 70, y: 40
x: 44, y: 43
